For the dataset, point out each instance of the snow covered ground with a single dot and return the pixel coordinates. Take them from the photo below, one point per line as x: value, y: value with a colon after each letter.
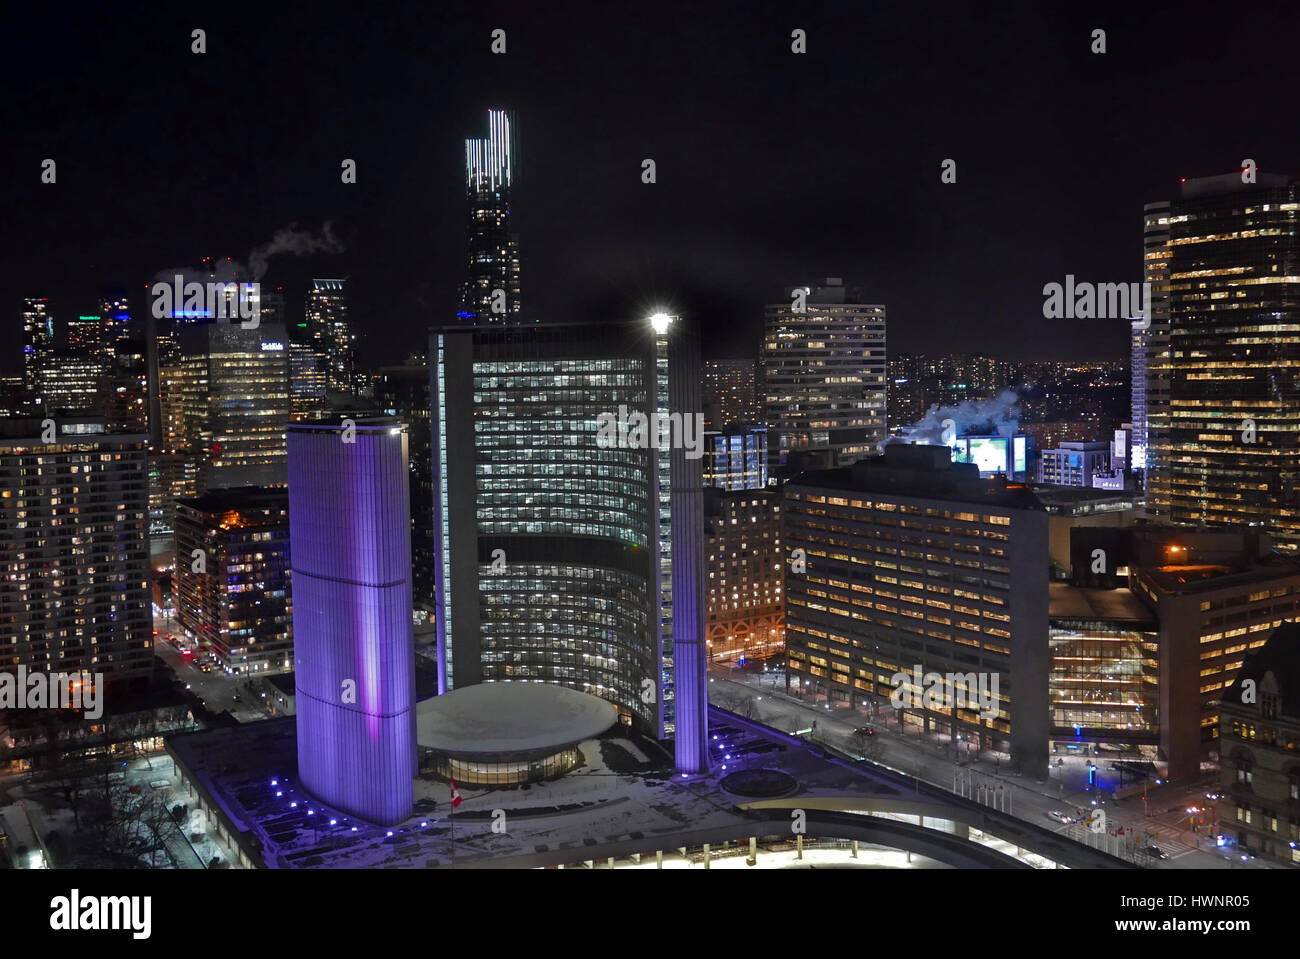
x: 251, y: 770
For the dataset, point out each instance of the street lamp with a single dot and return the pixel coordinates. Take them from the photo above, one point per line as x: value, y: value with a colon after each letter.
x: 660, y: 322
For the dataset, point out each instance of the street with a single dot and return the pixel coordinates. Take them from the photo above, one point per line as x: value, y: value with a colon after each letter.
x: 215, y: 688
x: 1066, y: 790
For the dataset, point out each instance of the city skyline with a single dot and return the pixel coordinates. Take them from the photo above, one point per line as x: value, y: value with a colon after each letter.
x: 578, y: 197
x: 599, y: 438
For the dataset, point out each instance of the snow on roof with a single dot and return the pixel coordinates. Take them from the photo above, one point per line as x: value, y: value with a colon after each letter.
x: 511, y: 718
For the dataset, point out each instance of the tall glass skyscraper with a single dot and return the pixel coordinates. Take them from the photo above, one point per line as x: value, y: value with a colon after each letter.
x: 330, y: 334
x: 1224, y: 405
x: 1140, y: 343
x: 233, y: 390
x: 560, y: 557
x: 354, y: 654
x: 38, y: 344
x: 490, y: 291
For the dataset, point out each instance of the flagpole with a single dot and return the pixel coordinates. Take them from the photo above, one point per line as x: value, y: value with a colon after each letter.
x: 455, y: 800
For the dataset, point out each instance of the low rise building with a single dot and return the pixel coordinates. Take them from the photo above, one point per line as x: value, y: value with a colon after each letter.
x: 1259, y: 735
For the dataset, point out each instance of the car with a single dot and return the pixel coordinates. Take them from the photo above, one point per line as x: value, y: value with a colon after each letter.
x: 1157, y: 852
x: 1214, y: 797
x: 1060, y: 817
x: 865, y: 731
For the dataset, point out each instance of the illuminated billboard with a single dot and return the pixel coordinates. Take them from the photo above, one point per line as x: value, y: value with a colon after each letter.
x: 993, y: 454
x: 989, y: 453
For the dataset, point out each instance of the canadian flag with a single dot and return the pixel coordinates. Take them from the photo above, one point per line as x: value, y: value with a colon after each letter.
x: 455, y: 795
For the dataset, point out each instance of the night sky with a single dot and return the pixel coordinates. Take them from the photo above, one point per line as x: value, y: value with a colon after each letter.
x: 773, y: 168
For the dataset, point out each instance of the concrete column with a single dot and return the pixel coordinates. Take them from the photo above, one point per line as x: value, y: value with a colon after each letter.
x: 753, y: 850
x: 659, y: 858
x: 855, y: 849
x: 799, y: 844
x: 706, y: 855
x: 611, y: 862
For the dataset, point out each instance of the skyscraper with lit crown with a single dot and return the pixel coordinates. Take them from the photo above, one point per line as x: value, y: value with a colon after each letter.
x: 490, y: 290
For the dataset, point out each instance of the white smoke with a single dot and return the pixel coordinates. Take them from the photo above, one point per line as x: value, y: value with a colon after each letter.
x: 287, y: 241
x: 290, y: 241
x: 994, y: 415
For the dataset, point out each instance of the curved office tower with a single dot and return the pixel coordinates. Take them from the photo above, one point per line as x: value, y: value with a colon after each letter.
x: 568, y: 540
x: 350, y: 544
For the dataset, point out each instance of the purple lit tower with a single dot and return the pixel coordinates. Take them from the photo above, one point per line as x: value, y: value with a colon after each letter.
x: 350, y: 544
x: 686, y: 568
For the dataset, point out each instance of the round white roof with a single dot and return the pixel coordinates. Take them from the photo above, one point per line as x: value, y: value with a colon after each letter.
x: 511, y: 718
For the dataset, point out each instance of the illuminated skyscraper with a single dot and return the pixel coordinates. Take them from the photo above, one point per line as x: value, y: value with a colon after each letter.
x: 74, y: 548
x: 115, y: 310
x: 1140, y: 342
x: 70, y: 380
x: 354, y: 652
x: 490, y: 291
x: 38, y: 343
x: 307, y: 381
x: 736, y: 458
x: 824, y: 373
x: 561, y: 557
x: 88, y: 336
x: 233, y: 386
x: 330, y: 334
x: 731, y: 392
x: 237, y: 603
x: 746, y: 610
x: 1224, y: 404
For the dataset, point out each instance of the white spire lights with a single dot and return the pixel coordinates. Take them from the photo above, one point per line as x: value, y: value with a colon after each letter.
x: 490, y: 159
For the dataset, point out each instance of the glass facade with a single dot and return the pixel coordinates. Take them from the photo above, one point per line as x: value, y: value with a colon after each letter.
x: 1104, y: 679
x: 1224, y: 402
x: 330, y: 335
x: 473, y: 772
x: 737, y: 459
x: 555, y: 558
x: 539, y: 472
x: 493, y: 251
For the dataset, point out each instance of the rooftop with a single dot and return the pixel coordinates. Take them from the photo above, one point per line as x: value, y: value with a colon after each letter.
x: 511, y: 719
x: 624, y: 798
x: 918, y: 471
x: 1080, y: 602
